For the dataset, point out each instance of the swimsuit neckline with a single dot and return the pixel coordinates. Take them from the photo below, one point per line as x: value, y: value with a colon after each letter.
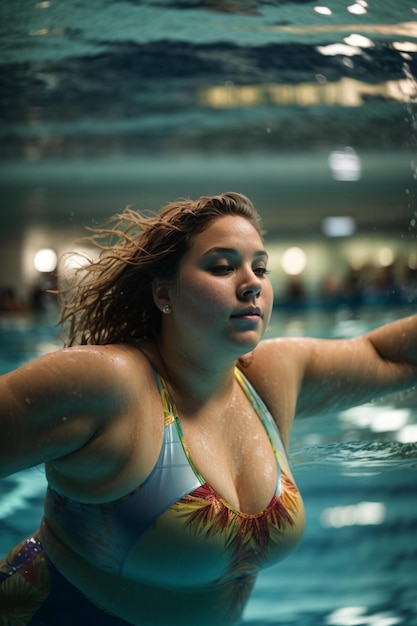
x: 173, y: 413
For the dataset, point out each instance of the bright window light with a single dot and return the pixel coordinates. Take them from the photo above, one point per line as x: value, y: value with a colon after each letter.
x: 45, y: 260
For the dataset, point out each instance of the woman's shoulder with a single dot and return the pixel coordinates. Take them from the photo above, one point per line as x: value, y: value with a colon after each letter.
x: 99, y: 362
x: 121, y: 451
x: 273, y: 370
x: 284, y: 355
x: 271, y: 354
x: 80, y: 377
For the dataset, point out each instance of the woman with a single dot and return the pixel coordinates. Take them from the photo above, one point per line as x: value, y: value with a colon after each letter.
x: 164, y: 425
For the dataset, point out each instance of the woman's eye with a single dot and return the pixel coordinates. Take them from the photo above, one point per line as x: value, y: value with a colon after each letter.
x: 260, y: 271
x: 221, y: 269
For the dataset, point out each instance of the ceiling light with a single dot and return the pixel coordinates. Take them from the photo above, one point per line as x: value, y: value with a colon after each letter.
x: 338, y: 226
x: 45, y: 260
x: 412, y: 261
x: 385, y: 257
x: 294, y: 261
x: 345, y: 165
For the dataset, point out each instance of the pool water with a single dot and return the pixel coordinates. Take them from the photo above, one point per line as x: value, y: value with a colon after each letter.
x: 357, y: 471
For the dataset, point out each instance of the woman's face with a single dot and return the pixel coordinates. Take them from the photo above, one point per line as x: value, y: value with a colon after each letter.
x: 222, y: 296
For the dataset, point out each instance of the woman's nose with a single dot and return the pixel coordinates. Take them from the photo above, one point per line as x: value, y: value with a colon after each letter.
x: 251, y: 288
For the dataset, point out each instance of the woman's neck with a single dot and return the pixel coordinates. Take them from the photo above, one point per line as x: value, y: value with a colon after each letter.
x: 197, y: 377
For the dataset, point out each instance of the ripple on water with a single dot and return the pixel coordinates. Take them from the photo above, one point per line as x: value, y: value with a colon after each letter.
x: 357, y: 455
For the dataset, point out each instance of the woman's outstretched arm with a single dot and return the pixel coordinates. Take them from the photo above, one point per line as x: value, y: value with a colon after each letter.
x: 341, y: 373
x: 54, y: 405
x: 308, y: 376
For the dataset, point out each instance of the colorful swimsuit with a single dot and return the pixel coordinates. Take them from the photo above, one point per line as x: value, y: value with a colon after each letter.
x: 173, y: 532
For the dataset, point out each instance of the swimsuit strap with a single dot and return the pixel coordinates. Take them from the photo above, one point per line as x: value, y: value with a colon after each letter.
x: 263, y: 413
x: 170, y: 410
x: 258, y: 405
x: 171, y: 418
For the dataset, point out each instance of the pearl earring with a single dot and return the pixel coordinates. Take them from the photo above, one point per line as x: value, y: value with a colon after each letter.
x: 166, y: 309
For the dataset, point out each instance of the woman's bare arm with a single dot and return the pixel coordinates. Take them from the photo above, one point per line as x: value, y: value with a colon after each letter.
x: 55, y: 404
x: 341, y: 373
x: 307, y: 376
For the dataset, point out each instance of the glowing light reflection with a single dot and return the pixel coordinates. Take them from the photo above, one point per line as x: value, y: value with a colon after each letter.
x: 362, y: 514
x: 345, y: 92
x: 359, y: 40
x: 404, y: 46
x: 45, y: 260
x: 408, y: 434
x: 293, y: 261
x: 412, y: 261
x: 339, y: 49
x: 323, y: 10
x: 402, y: 28
x: 357, y: 9
x: 357, y: 616
x: 72, y: 263
x: 338, y: 226
x: 378, y: 419
x: 345, y: 165
x: 385, y: 257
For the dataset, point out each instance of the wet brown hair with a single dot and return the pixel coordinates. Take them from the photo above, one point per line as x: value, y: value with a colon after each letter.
x: 111, y: 300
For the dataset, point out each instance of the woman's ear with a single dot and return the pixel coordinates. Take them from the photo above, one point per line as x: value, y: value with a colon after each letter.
x: 160, y: 292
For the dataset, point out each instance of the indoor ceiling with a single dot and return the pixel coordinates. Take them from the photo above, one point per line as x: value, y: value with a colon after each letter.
x: 308, y: 107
